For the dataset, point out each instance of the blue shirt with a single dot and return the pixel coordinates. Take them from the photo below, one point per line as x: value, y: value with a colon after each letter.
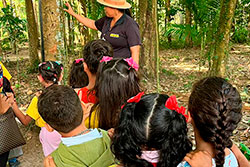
x: 75, y: 140
x: 230, y: 161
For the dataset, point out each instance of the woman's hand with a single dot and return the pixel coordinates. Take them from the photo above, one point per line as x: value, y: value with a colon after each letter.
x: 69, y: 10
x: 49, y: 162
x: 6, y: 102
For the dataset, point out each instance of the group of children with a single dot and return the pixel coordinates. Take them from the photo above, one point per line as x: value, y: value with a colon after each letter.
x: 103, y: 118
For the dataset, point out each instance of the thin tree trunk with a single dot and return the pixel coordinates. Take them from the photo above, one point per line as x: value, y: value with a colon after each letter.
x: 1, y: 52
x: 168, y: 18
x: 188, y: 21
x: 222, y: 38
x: 148, y: 59
x: 84, y: 31
x: 32, y: 33
x: 93, y: 33
x: 50, y: 28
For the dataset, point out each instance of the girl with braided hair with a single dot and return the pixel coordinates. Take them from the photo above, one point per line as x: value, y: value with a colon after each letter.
x: 50, y: 73
x: 215, y: 108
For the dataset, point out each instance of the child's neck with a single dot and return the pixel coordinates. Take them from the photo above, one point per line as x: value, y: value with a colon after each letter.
x: 92, y: 79
x: 201, y: 145
x: 45, y: 84
x: 78, y: 130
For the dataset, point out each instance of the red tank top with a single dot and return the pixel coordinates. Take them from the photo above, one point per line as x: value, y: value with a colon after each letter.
x: 87, y: 96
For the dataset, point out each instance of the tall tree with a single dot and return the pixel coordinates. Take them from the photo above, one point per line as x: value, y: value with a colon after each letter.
x: 32, y: 33
x: 168, y: 18
x: 188, y: 21
x: 222, y: 38
x: 84, y: 31
x: 149, y: 36
x: 50, y: 16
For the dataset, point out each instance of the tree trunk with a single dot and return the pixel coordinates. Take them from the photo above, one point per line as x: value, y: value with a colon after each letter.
x: 222, y: 38
x: 168, y: 18
x: 188, y: 22
x: 50, y: 17
x: 4, y: 3
x: 84, y: 31
x: 32, y: 33
x: 149, y: 36
x: 94, y: 14
x: 1, y: 52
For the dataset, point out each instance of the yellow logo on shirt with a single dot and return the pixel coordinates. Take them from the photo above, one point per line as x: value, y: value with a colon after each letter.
x: 114, y: 35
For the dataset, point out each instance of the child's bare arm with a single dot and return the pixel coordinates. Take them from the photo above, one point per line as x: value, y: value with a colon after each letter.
x: 25, y: 119
x: 49, y: 162
x: 242, y: 161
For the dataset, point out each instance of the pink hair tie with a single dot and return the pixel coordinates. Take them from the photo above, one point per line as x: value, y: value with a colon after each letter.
x: 79, y: 60
x: 132, y: 63
x: 106, y: 59
x: 172, y: 104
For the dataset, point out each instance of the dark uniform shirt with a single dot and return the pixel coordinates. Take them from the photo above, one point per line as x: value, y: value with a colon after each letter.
x: 123, y: 35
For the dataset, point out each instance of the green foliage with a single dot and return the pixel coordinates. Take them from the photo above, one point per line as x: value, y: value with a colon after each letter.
x: 181, y: 31
x: 240, y: 25
x: 240, y: 35
x: 13, y: 28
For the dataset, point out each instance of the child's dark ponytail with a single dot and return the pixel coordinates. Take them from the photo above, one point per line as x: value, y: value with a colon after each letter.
x: 50, y: 71
x: 125, y: 146
x: 149, y: 125
x: 215, y: 106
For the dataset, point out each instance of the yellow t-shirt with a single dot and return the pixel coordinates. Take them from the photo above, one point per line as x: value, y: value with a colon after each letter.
x: 32, y: 111
x: 5, y: 72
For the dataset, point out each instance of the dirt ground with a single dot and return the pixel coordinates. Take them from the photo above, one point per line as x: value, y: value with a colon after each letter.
x: 179, y: 70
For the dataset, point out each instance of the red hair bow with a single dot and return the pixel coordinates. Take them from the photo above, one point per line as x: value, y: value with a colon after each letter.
x: 134, y: 99
x: 172, y: 104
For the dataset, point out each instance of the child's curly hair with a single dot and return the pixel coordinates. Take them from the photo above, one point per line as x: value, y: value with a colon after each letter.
x: 150, y: 124
x: 50, y: 71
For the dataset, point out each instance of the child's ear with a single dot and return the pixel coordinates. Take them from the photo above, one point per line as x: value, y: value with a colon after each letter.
x: 61, y: 77
x: 85, y: 67
x: 40, y: 78
x: 189, y: 118
x: 49, y: 128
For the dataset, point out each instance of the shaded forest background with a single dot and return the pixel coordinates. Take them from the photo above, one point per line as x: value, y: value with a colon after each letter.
x: 211, y: 25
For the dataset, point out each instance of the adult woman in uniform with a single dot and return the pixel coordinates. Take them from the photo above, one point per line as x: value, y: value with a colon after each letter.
x: 119, y: 29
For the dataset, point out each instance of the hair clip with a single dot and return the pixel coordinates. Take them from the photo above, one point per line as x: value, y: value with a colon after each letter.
x: 134, y: 99
x: 57, y: 62
x: 79, y: 60
x: 106, y: 59
x: 132, y: 63
x: 172, y: 104
x: 41, y: 64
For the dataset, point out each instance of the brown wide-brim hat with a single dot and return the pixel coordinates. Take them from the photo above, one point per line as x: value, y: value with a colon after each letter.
x: 118, y: 4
